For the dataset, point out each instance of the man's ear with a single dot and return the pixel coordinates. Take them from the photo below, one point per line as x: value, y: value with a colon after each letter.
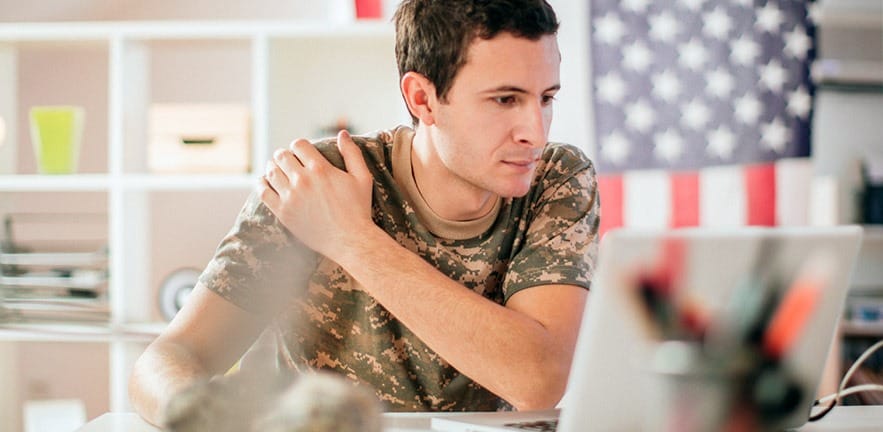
x: 419, y: 94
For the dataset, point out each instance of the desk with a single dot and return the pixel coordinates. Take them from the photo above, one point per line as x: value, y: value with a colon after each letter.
x: 131, y: 422
x: 842, y: 419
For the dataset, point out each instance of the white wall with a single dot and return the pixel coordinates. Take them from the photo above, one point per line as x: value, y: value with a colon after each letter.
x: 571, y: 123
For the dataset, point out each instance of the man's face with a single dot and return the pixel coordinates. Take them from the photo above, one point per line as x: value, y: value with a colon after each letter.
x: 491, y: 131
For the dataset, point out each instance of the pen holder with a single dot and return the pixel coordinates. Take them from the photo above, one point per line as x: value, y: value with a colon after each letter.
x: 689, y: 391
x: 56, y: 132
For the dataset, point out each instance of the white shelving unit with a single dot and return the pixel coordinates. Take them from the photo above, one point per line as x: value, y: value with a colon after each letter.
x: 280, y: 53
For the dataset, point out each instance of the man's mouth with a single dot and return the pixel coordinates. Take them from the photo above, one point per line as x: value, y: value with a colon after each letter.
x: 521, y: 162
x: 524, y: 165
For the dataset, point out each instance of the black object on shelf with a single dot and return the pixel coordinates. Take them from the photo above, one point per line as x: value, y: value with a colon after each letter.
x: 872, y: 204
x: 871, y: 200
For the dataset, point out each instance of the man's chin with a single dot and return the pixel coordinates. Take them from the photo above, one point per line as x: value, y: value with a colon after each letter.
x: 515, y: 191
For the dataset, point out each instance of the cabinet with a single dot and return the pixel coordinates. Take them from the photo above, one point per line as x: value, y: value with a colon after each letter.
x: 294, y: 76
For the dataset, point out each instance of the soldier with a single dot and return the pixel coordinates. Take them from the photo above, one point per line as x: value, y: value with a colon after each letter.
x: 444, y: 266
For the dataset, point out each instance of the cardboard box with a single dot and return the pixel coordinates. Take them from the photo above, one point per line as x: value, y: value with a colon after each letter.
x: 199, y: 138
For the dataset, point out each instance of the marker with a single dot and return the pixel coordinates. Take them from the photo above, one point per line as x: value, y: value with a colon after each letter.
x: 797, y: 305
x: 791, y: 317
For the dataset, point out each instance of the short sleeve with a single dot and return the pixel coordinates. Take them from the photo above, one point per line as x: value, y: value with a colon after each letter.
x: 259, y: 265
x: 560, y: 243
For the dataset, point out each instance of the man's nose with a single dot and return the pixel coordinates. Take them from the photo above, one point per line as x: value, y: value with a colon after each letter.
x: 533, y: 124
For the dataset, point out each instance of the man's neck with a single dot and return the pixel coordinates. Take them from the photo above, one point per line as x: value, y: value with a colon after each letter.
x: 449, y: 196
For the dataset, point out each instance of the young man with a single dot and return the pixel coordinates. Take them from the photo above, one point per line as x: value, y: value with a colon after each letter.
x: 453, y: 259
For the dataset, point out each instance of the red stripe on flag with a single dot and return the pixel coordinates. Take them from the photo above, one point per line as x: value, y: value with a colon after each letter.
x: 760, y: 190
x: 684, y: 199
x: 610, y: 192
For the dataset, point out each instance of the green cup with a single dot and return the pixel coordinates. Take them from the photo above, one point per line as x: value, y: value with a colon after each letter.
x: 56, y: 132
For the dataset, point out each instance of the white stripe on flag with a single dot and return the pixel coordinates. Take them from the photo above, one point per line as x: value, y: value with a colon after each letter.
x: 793, y: 180
x: 823, y: 201
x: 647, y: 200
x: 722, y: 196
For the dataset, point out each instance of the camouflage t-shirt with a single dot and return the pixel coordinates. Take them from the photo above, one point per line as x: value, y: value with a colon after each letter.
x: 321, y: 317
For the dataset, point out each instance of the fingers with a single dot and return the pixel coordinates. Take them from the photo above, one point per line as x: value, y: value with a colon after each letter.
x: 282, y: 171
x: 289, y: 168
x: 352, y: 157
x: 287, y: 160
x: 285, y: 170
x: 306, y: 155
x: 267, y: 194
x: 276, y: 177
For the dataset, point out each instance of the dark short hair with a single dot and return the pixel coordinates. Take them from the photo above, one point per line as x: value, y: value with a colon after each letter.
x: 433, y: 36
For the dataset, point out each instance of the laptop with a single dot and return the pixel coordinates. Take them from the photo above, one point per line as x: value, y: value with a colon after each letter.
x: 612, y: 380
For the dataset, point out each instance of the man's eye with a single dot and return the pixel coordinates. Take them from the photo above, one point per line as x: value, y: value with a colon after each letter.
x: 505, y: 100
x: 548, y: 99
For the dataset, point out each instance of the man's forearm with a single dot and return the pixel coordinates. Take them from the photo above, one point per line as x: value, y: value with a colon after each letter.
x: 161, y: 372
x: 507, y: 352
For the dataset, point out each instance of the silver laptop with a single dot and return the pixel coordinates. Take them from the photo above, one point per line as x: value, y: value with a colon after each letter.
x: 611, y: 384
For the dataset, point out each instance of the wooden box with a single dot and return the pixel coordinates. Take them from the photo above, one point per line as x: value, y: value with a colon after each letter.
x: 199, y: 138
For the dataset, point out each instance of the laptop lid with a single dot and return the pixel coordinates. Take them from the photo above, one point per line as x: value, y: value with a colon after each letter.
x: 611, y: 376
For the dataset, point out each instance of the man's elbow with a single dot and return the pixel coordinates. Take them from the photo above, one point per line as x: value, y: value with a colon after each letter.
x: 163, y: 369
x: 142, y: 389
x: 544, y: 390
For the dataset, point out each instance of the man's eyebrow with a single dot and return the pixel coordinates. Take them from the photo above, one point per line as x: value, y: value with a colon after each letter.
x: 514, y: 89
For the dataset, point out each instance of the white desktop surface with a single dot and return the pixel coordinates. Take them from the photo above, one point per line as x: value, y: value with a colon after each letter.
x: 131, y: 422
x: 841, y: 419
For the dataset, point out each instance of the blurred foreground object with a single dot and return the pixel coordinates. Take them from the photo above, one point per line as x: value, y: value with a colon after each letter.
x: 274, y: 402
x: 730, y: 373
x: 323, y: 403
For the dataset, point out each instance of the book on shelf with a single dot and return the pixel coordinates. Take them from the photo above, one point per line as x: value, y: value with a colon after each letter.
x: 40, y: 309
x: 46, y: 280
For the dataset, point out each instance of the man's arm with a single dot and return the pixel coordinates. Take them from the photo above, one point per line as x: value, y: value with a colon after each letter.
x: 521, y: 352
x: 206, y: 337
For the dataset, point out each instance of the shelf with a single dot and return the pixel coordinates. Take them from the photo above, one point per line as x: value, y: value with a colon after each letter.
x: 831, y: 17
x: 82, y: 280
x: 103, y: 182
x: 71, y: 259
x: 54, y: 183
x: 859, y: 328
x: 79, y: 332
x: 833, y: 72
x: 145, y: 30
x: 55, y: 332
x: 188, y: 181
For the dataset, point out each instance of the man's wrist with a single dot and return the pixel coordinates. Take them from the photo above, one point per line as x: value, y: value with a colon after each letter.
x: 360, y: 247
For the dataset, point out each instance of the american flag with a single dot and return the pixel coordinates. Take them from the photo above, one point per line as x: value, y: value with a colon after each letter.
x: 702, y: 111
